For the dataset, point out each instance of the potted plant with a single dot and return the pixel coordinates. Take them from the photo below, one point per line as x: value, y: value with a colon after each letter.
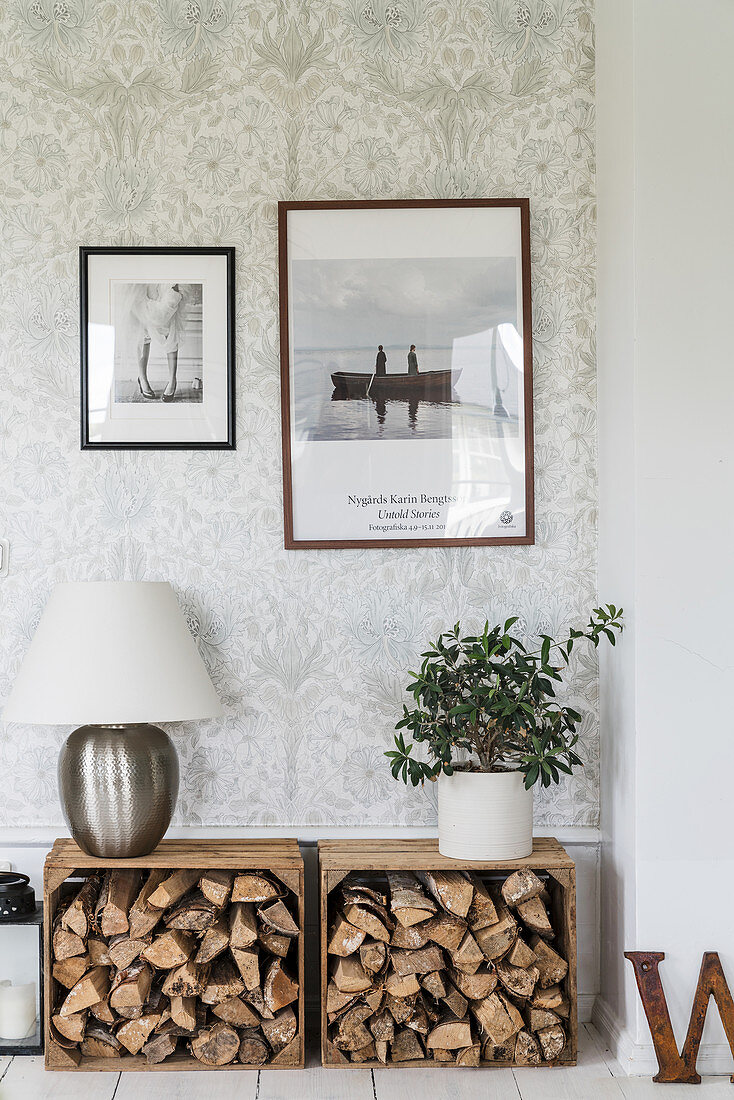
x: 487, y: 713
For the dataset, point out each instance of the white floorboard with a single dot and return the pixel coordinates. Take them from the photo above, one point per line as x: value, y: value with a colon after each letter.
x: 316, y: 1084
x: 597, y: 1077
x: 26, y: 1079
x: 198, y: 1085
x: 444, y: 1084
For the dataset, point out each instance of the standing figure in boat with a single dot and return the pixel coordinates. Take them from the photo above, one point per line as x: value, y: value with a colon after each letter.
x: 381, y: 363
x: 412, y: 360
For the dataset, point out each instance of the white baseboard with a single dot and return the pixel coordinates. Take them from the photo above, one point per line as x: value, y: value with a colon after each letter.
x: 638, y: 1059
x: 586, y: 1007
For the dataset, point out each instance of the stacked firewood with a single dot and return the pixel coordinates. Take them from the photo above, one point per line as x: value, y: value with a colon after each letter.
x: 440, y: 965
x: 145, y: 962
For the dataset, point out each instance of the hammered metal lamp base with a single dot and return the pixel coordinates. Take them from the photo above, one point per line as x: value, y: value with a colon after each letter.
x: 118, y: 787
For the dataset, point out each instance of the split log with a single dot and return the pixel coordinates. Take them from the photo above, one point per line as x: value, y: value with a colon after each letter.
x: 247, y: 962
x: 351, y: 1034
x: 99, y: 954
x: 494, y: 1019
x: 79, y: 916
x: 469, y: 1057
x: 214, y: 941
x: 527, y: 1050
x: 99, y: 1043
x: 131, y: 987
x: 552, y: 1041
x: 185, y: 981
x: 277, y: 918
x: 520, y: 954
x: 135, y: 1033
x: 336, y: 1000
x: 563, y: 1009
x: 398, y: 986
x: 92, y: 987
x: 400, y: 1008
x: 374, y: 998
x: 423, y: 961
x: 345, y: 938
x: 223, y: 982
x: 255, y: 998
x: 551, y: 998
x: 123, y: 951
x: 552, y: 967
x: 67, y: 972
x: 512, y: 1011
x: 279, y: 989
x: 540, y: 1018
x: 521, y: 886
x: 71, y: 1027
x: 102, y: 1012
x: 67, y: 944
x: 173, y: 888
x: 183, y: 1012
x: 216, y: 1046
x: 119, y: 892
x: 451, y: 889
x: 482, y: 911
x: 368, y: 922
x: 408, y: 902
x: 216, y: 886
x: 382, y: 1026
x: 373, y: 955
x: 234, y: 1011
x: 455, y: 1002
x: 516, y: 979
x: 242, y: 925
x: 475, y: 986
x: 162, y: 1044
x: 434, y: 984
x: 442, y: 1055
x: 350, y: 977
x: 495, y: 940
x: 406, y: 1046
x: 411, y: 938
x: 273, y: 942
x: 172, y: 949
x: 194, y: 914
x: 501, y: 1052
x: 445, y: 929
x: 381, y: 1050
x: 366, y: 1054
x: 418, y: 1019
x: 253, y: 1050
x: 468, y: 956
x: 534, y: 915
x: 252, y: 886
x: 143, y: 917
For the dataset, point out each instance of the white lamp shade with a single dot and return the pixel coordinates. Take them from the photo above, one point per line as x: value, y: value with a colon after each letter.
x: 109, y: 653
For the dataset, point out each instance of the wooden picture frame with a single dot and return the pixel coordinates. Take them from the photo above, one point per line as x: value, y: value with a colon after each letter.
x: 157, y: 348
x: 377, y: 251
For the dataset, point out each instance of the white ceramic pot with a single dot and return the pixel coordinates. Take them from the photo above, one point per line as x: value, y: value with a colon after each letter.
x: 484, y: 815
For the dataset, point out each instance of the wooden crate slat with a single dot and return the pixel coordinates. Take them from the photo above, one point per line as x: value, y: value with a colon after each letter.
x: 339, y: 857
x: 280, y: 856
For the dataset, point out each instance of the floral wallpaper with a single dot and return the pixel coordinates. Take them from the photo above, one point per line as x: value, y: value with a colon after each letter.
x: 178, y: 122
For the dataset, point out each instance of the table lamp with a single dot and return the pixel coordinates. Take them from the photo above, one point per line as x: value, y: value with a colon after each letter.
x: 114, y: 655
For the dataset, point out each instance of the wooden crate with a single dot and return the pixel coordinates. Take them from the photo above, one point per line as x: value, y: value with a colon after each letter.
x: 549, y: 860
x: 67, y: 861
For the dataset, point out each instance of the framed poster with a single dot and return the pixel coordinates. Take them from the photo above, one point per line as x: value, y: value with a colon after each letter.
x: 157, y: 348
x: 406, y: 373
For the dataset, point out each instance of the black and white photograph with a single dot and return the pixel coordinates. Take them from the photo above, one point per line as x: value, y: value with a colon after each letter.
x: 158, y: 342
x: 406, y: 370
x: 397, y: 348
x: 157, y: 331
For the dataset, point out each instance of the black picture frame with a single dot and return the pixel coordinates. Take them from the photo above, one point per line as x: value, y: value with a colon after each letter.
x: 506, y: 537
x: 85, y: 253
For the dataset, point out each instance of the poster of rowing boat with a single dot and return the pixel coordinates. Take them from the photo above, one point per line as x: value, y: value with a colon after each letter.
x: 406, y: 373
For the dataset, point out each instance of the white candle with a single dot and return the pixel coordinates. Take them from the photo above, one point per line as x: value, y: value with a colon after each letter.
x: 17, y: 1010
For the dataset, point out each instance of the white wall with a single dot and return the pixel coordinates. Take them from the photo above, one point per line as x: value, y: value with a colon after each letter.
x: 666, y: 170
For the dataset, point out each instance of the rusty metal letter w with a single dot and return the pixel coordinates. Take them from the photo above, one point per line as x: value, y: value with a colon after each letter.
x: 672, y: 1066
